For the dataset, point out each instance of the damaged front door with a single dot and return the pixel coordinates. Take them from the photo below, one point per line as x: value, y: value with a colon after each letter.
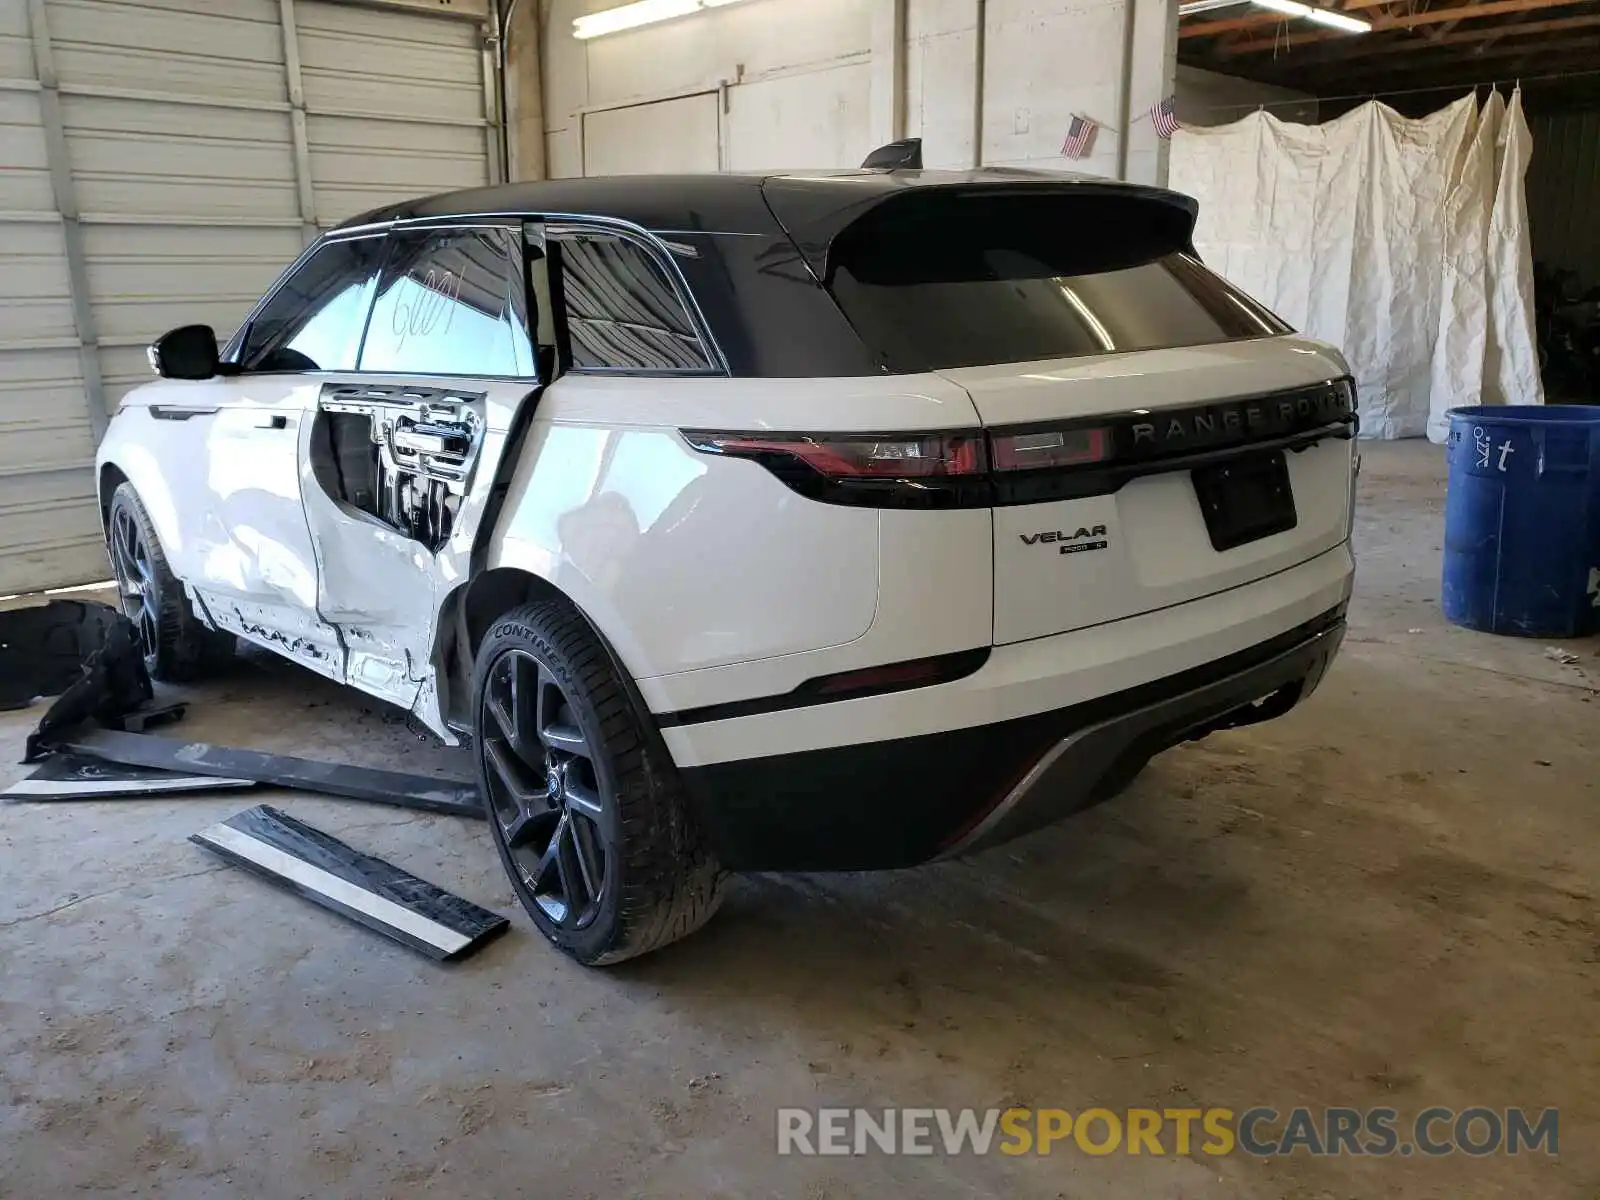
x: 401, y: 452
x: 247, y: 551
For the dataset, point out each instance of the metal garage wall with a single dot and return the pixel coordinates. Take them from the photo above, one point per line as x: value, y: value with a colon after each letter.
x: 200, y: 148
x: 1564, y: 192
x: 48, y: 533
x: 396, y: 105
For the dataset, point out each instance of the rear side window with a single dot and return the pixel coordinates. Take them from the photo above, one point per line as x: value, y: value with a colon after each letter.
x: 951, y: 280
x: 312, y: 322
x: 623, y: 314
x: 451, y: 302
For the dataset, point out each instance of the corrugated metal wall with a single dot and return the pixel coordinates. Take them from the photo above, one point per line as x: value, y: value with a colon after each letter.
x: 1564, y: 193
x: 160, y: 162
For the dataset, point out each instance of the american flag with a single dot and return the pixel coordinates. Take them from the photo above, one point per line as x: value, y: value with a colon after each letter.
x: 1080, y: 136
x: 1164, y: 118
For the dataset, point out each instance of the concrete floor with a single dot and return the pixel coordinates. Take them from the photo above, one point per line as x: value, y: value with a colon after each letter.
x: 1386, y: 898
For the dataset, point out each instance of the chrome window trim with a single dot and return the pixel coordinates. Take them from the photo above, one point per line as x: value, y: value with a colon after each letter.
x: 553, y: 224
x: 558, y: 226
x: 236, y: 342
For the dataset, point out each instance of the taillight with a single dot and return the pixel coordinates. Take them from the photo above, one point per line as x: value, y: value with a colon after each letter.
x: 923, y: 470
x: 1043, y: 449
x: 1039, y: 463
x: 851, y: 456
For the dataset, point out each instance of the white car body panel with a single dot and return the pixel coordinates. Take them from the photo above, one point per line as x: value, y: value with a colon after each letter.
x: 688, y: 561
x: 1156, y: 551
x: 1037, y: 676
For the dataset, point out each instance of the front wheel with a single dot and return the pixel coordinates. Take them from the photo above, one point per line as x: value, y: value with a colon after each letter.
x: 177, y: 645
x: 587, y: 812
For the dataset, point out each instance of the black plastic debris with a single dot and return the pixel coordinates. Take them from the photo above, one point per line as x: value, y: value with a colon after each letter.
x: 365, y: 889
x: 452, y: 796
x: 92, y: 655
x: 49, y: 649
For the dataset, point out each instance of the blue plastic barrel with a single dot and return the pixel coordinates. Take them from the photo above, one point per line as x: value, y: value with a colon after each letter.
x: 1522, y: 520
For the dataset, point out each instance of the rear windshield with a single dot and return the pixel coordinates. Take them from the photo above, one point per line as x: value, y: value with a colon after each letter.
x: 949, y: 280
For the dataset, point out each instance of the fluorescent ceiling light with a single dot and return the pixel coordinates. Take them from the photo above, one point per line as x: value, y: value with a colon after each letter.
x: 643, y: 12
x: 1289, y: 8
x: 1336, y: 20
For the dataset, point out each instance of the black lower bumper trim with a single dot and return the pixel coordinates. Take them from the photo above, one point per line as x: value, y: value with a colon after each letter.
x: 901, y: 802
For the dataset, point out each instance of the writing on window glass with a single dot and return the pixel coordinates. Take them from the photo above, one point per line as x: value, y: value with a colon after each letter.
x: 427, y: 306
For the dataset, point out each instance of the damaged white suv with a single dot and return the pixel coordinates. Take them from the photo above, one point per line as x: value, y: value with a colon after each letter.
x: 805, y: 521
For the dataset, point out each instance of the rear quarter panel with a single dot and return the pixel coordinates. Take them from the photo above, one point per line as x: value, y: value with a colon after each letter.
x: 687, y: 561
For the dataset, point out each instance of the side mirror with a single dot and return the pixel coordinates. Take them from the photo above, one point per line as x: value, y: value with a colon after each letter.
x: 187, y: 352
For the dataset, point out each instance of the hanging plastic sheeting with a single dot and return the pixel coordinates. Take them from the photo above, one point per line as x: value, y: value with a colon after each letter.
x: 1511, y: 371
x: 1460, y: 350
x: 1370, y: 232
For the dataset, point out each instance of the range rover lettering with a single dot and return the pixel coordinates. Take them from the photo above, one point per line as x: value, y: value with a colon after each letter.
x: 738, y: 521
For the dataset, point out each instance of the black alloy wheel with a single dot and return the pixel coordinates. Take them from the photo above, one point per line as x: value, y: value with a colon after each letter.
x: 177, y: 645
x: 136, y: 580
x: 587, y: 810
x: 546, y: 790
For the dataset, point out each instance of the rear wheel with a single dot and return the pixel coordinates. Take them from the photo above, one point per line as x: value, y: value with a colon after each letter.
x: 177, y: 646
x: 586, y: 810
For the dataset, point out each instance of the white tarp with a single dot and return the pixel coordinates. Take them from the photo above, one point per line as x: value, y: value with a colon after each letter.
x: 1403, y: 242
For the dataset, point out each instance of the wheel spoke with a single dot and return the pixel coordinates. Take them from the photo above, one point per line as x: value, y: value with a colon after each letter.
x: 569, y: 870
x: 586, y: 849
x: 551, y: 859
x: 565, y: 737
x: 497, y: 710
x: 524, y: 829
x: 525, y: 797
x: 525, y: 676
x: 582, y: 799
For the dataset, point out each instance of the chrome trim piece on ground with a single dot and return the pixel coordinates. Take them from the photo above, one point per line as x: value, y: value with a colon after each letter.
x: 337, y: 877
x: 74, y: 777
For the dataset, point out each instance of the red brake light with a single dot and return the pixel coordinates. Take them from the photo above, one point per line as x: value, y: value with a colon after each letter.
x: 856, y: 456
x: 1046, y: 448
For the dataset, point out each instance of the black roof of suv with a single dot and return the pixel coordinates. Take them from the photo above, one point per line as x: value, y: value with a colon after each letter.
x: 731, y: 203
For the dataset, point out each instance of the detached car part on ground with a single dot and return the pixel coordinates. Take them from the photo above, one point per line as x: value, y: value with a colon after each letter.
x: 831, y: 521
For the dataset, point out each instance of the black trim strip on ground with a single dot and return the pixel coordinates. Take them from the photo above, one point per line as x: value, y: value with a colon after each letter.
x: 367, y: 890
x: 452, y: 796
x: 76, y: 777
x: 951, y: 668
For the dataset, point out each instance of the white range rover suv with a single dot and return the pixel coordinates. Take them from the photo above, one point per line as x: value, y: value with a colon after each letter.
x: 801, y: 521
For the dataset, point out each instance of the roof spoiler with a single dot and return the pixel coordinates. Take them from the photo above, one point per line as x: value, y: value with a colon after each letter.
x: 904, y: 155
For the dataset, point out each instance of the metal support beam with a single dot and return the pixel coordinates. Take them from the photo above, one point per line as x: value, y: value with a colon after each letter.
x: 297, y: 121
x: 55, y: 139
x: 493, y: 132
x: 980, y: 55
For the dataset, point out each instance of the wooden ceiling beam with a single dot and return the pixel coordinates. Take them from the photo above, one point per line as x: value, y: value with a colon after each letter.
x: 1466, y: 75
x: 1428, y: 58
x: 1344, y: 51
x: 1380, y: 22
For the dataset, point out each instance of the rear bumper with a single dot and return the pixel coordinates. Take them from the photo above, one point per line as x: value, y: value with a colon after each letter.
x: 903, y: 801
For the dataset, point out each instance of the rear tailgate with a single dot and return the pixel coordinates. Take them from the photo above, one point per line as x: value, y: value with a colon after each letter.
x: 1153, y: 435
x: 1128, y: 535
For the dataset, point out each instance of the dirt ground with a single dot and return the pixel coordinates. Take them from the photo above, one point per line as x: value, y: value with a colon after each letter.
x: 1386, y: 898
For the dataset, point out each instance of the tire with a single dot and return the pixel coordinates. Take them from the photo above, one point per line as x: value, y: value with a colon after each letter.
x: 586, y: 808
x: 177, y: 646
